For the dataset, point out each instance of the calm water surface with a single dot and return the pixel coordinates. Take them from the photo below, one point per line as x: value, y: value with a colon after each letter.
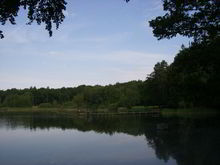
x: 52, y: 140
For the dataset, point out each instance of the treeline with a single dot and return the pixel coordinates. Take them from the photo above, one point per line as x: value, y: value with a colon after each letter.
x: 87, y: 97
x: 192, y: 80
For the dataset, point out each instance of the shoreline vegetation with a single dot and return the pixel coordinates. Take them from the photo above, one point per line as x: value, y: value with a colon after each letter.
x: 151, y: 111
x: 69, y: 110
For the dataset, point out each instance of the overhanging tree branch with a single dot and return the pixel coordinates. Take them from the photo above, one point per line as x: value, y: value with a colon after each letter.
x: 48, y: 12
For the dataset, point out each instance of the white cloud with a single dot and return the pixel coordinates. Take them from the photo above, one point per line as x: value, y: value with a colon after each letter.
x: 115, y: 66
x: 132, y: 57
x: 120, y: 57
x: 117, y: 37
x: 17, y: 35
x: 86, y: 68
x: 26, y: 81
x: 156, y: 9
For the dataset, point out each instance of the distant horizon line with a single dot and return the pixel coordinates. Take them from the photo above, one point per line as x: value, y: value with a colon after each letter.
x: 72, y: 86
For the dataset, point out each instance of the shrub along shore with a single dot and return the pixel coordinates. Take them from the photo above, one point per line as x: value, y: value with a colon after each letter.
x: 68, y: 112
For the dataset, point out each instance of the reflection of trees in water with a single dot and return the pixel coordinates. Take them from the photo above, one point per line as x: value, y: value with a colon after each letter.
x: 189, y: 141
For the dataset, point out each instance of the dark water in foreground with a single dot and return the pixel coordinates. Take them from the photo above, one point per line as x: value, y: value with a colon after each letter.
x: 37, y: 140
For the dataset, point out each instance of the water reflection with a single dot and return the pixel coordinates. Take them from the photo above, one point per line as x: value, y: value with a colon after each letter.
x: 132, y: 140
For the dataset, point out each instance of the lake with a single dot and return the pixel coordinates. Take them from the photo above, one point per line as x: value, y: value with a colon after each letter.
x: 107, y: 140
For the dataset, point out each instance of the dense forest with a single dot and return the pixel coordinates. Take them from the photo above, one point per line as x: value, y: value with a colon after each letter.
x: 192, y: 80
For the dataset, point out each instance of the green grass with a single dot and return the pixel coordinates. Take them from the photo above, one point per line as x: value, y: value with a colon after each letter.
x: 138, y: 109
x: 189, y: 112
x: 63, y: 111
x: 36, y: 110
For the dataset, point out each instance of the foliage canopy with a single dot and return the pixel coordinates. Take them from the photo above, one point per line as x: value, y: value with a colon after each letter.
x: 40, y: 11
x: 199, y: 19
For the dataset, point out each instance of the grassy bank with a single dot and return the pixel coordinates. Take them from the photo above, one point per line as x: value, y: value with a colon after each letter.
x: 34, y: 110
x: 122, y: 110
x: 75, y: 111
x: 186, y: 112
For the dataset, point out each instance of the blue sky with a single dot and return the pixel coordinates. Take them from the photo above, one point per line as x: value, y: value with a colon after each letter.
x: 99, y: 42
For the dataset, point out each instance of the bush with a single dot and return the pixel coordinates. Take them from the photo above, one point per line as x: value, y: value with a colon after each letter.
x: 69, y: 104
x: 122, y: 109
x: 138, y: 108
x: 113, y: 107
x: 24, y: 100
x: 45, y: 105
